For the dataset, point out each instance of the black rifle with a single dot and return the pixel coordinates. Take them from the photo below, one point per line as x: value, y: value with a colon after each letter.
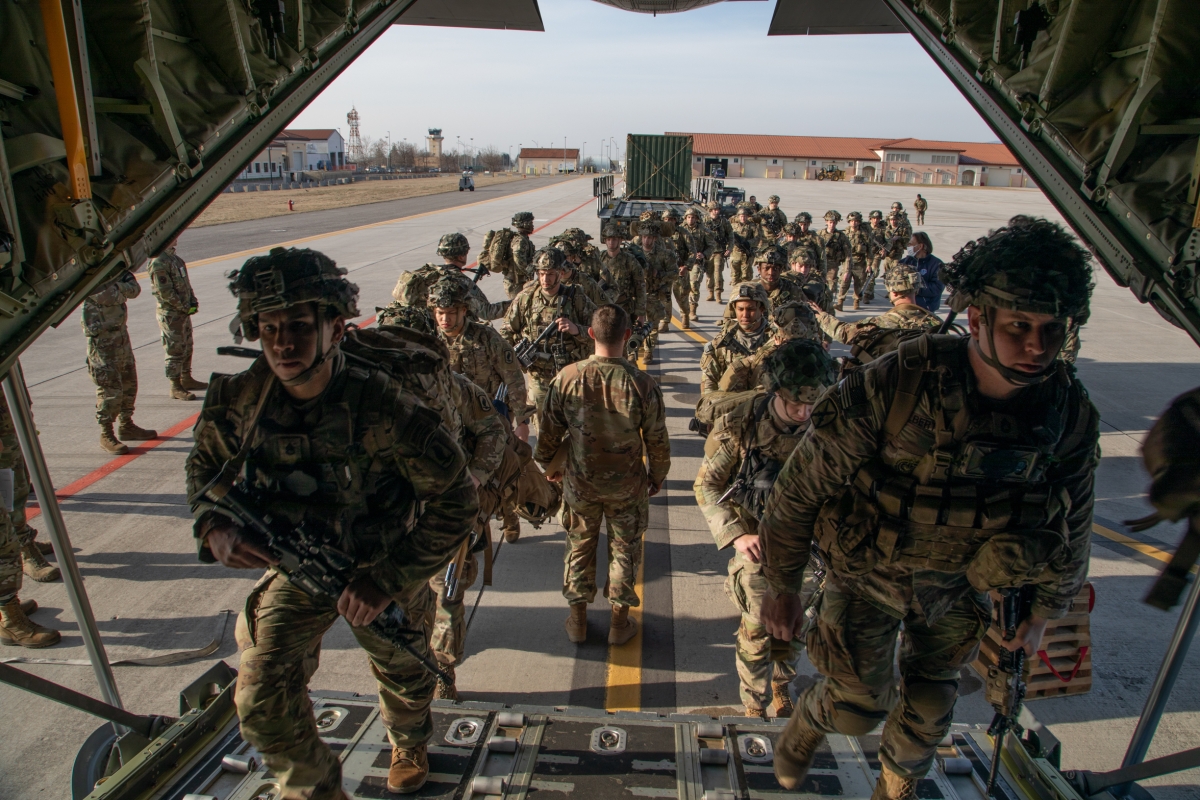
x: 1006, y: 680
x: 480, y: 272
x: 743, y: 244
x: 309, y: 557
x: 527, y: 351
x: 640, y: 334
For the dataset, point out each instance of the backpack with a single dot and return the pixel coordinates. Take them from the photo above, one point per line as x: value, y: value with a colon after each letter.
x: 417, y: 361
x: 871, y: 344
x: 496, y: 253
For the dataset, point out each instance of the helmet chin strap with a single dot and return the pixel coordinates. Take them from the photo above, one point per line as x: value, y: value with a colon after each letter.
x: 322, y: 356
x: 1011, y: 375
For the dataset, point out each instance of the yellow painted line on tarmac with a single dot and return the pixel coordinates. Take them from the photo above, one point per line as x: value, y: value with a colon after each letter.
x: 315, y: 237
x: 623, y: 685
x: 1134, y: 544
x: 675, y: 321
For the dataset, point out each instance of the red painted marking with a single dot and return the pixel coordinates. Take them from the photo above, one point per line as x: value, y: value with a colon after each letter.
x: 112, y: 466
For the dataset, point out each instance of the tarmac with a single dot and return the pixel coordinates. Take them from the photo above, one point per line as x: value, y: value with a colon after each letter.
x: 131, y: 528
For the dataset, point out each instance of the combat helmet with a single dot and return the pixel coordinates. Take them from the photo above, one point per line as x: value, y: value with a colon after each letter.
x: 773, y: 199
x: 522, y: 219
x: 578, y: 234
x: 568, y: 245
x: 692, y: 212
x: 902, y: 279
x: 453, y: 245
x: 803, y: 216
x: 449, y: 293
x: 805, y: 256
x: 834, y: 215
x: 751, y: 290
x: 744, y: 208
x: 646, y: 216
x: 799, y: 370
x: 611, y: 231
x: 288, y: 277
x: 797, y: 321
x: 1031, y: 265
x: 650, y: 227
x: 712, y: 205
x: 773, y: 255
x: 669, y: 214
x: 791, y: 229
x: 897, y: 206
x: 876, y: 214
x: 549, y: 258
x: 855, y: 215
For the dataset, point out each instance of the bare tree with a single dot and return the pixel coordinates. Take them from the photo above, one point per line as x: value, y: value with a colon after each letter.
x: 404, y: 155
x: 377, y: 153
x: 451, y: 161
x: 491, y: 159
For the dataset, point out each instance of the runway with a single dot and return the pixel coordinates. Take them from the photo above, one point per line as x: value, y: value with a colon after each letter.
x: 131, y: 528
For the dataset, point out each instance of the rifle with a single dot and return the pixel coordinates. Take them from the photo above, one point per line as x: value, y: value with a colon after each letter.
x: 309, y: 558
x: 743, y: 244
x: 640, y: 334
x: 1006, y: 680
x: 480, y: 272
x: 527, y: 351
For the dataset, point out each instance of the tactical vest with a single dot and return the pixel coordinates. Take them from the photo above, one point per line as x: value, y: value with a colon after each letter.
x: 761, y: 464
x: 962, y: 493
x: 469, y: 356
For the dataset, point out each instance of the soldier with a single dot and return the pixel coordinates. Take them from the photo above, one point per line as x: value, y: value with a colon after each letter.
x: 745, y: 244
x: 700, y: 248
x: 903, y: 226
x: 661, y: 272
x: 861, y: 251
x: 791, y: 321
x: 774, y: 212
x: 969, y: 463
x: 413, y: 287
x: 902, y: 284
x: 750, y: 331
x: 680, y: 285
x: 722, y: 234
x: 806, y: 274
x: 810, y: 238
x: 771, y: 263
x: 483, y: 438
x: 880, y: 238
x: 627, y: 279
x: 538, y: 306
x: 480, y: 353
x: 920, y: 204
x: 176, y: 305
x: 301, y: 413
x: 17, y: 553
x: 589, y: 257
x: 515, y: 261
x: 755, y: 206
x: 573, y: 272
x: 608, y: 413
x: 835, y: 248
x: 742, y: 457
x: 110, y: 361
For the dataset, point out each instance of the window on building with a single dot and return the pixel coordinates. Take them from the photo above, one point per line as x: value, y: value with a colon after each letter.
x: 1018, y: 171
x: 735, y: 161
x: 774, y: 160
x: 699, y: 158
x: 812, y: 163
x: 897, y: 156
x: 256, y: 166
x: 942, y: 159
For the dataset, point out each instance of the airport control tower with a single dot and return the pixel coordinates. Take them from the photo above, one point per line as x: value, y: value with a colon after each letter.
x: 433, y: 143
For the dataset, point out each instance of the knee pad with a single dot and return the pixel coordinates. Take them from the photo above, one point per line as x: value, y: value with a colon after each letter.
x: 852, y: 720
x: 931, y: 700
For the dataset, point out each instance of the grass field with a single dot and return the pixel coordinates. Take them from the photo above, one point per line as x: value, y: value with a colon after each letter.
x: 239, y: 207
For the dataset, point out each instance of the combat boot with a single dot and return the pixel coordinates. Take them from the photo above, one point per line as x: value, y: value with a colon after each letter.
x: 109, y: 442
x: 710, y: 296
x: 512, y: 534
x: 694, y: 309
x: 855, y: 305
x: 685, y: 322
x: 756, y: 713
x: 576, y: 624
x: 446, y: 691
x: 191, y: 383
x: 409, y: 769
x: 781, y: 701
x: 663, y: 326
x: 647, y: 355
x: 29, y: 606
x: 794, y: 753
x: 891, y: 786
x: 622, y: 628
x: 128, y: 431
x: 719, y: 300
x: 178, y: 391
x: 841, y: 305
x: 34, y: 564
x: 45, y: 548
x: 17, y: 630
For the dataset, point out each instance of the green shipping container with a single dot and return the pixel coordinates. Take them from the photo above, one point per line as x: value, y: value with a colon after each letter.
x: 658, y: 167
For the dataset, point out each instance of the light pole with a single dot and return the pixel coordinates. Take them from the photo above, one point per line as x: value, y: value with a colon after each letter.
x: 389, y: 155
x: 474, y: 160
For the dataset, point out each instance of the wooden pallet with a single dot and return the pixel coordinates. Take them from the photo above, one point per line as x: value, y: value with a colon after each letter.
x: 1062, y: 642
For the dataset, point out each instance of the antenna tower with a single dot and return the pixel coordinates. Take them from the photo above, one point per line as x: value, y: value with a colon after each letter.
x: 354, y: 147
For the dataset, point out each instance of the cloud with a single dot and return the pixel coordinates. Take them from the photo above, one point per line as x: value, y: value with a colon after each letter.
x: 599, y: 72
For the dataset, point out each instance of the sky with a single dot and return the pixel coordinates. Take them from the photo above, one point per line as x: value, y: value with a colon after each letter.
x: 598, y: 73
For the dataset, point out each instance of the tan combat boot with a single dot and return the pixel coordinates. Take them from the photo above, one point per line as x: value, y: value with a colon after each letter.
x: 695, y: 316
x: 781, y: 700
x: 756, y: 713
x: 841, y: 305
x: 16, y: 629
x: 710, y: 296
x: 685, y: 323
x: 663, y: 326
x: 647, y: 355
x: 191, y: 383
x: 891, y: 786
x: 576, y: 624
x: 855, y: 305
x: 512, y: 534
x: 178, y: 391
x: 622, y: 628
x: 34, y: 564
x: 29, y: 606
x: 794, y: 753
x: 128, y: 431
x: 409, y: 770
x: 719, y: 300
x: 446, y: 691
x: 45, y: 548
x: 109, y: 442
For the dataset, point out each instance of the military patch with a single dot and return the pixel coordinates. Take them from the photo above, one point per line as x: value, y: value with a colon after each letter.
x: 485, y: 405
x: 421, y: 429
x: 439, y: 451
x: 924, y: 423
x: 291, y: 449
x: 825, y: 412
x: 508, y: 356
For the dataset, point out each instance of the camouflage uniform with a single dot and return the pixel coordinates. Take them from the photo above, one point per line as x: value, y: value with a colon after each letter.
x: 920, y: 204
x: 518, y: 268
x: 835, y: 249
x: 627, y: 282
x: 922, y: 495
x: 722, y: 234
x: 700, y: 248
x: 528, y: 316
x: 481, y: 354
x: 733, y: 342
x: 609, y: 412
x: 898, y: 225
x: 109, y: 354
x: 662, y: 271
x: 176, y: 303
x: 862, y: 250
x: 401, y: 526
x: 879, y: 235
x: 575, y: 276
x: 765, y: 666
x: 905, y: 316
x: 810, y: 239
x: 412, y: 290
x: 775, y: 214
x: 741, y: 263
x: 782, y: 292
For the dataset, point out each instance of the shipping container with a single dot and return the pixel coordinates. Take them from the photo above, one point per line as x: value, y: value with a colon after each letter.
x: 658, y: 167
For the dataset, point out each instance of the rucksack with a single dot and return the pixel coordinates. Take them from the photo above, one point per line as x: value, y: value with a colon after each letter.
x: 871, y: 344
x: 496, y: 253
x: 417, y: 361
